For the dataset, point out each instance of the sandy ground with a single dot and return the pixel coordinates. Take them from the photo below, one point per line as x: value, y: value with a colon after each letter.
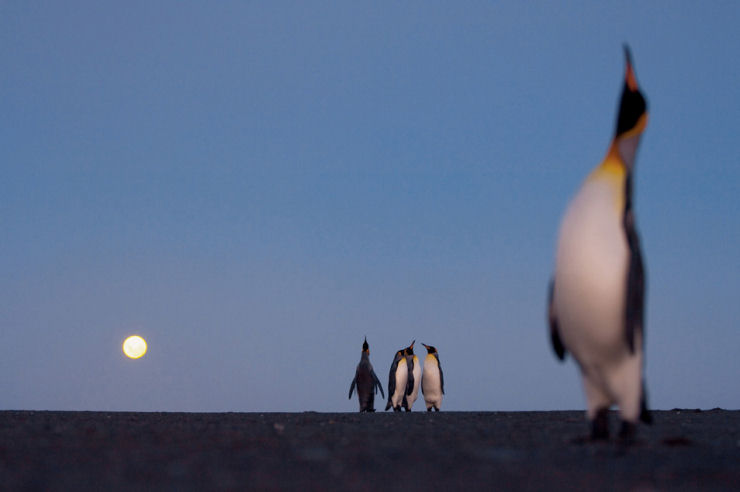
x: 683, y: 450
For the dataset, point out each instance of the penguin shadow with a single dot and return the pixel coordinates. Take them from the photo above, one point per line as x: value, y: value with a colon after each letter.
x: 609, y: 448
x: 602, y: 432
x: 624, y: 443
x: 676, y: 441
x: 618, y: 442
x: 626, y: 448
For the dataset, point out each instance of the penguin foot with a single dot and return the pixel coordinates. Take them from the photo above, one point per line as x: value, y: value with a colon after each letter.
x: 600, y: 425
x: 429, y: 409
x: 396, y: 409
x: 436, y: 409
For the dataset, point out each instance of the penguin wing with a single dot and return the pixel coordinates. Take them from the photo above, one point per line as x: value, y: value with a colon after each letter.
x: 635, y: 305
x: 392, y: 379
x: 441, y: 375
x: 557, y: 343
x: 352, y: 387
x: 377, y: 384
x: 410, y: 380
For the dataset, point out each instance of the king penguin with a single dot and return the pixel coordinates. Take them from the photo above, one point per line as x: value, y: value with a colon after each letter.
x: 397, y: 379
x: 414, y: 377
x: 596, y: 298
x: 433, y: 381
x: 366, y: 381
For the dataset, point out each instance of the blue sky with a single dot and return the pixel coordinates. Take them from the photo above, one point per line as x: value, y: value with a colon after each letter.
x: 255, y: 186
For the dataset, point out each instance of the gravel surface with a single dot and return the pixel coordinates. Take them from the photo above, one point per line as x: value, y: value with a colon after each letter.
x: 683, y: 450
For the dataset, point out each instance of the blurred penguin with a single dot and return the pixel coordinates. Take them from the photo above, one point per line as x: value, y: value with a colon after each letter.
x: 366, y: 381
x: 596, y: 300
x: 432, y: 382
x: 414, y: 377
x: 397, y: 379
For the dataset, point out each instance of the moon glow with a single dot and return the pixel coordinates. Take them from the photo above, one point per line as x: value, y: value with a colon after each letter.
x: 134, y: 347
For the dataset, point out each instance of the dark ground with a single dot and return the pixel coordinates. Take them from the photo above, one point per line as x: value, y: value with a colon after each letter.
x: 683, y: 450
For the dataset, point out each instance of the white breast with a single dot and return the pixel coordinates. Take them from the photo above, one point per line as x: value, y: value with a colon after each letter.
x: 417, y: 382
x: 591, y: 271
x: 431, y: 385
x: 402, y: 377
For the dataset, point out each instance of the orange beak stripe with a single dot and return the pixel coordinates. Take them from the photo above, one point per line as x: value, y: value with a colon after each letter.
x: 630, y: 78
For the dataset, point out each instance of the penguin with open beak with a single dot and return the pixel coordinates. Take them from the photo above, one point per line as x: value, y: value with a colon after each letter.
x: 597, y: 294
x: 366, y: 381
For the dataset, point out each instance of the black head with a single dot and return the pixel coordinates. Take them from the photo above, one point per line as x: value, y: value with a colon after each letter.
x: 430, y: 349
x: 410, y: 349
x: 632, y: 105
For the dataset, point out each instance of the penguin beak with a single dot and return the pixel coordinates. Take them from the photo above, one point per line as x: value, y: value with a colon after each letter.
x: 412, y: 344
x: 425, y: 346
x: 629, y: 76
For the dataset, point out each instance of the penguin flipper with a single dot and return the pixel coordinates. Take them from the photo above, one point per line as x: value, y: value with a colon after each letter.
x: 645, y: 414
x: 377, y: 384
x: 557, y: 343
x: 635, y: 305
x: 352, y: 387
x: 441, y: 374
x: 410, y: 380
x: 392, y: 382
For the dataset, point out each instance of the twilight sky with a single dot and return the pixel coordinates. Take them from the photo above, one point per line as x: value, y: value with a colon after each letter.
x: 255, y: 186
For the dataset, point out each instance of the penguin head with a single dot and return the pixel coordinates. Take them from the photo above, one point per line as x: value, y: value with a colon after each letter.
x: 430, y: 349
x: 632, y: 117
x: 365, y: 347
x: 410, y: 349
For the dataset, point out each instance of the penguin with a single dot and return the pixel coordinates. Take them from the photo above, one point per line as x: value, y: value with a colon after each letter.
x: 397, y: 380
x: 433, y: 381
x: 414, y: 378
x: 596, y: 298
x: 366, y: 381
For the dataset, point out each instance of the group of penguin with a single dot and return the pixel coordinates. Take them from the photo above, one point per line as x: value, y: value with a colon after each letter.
x: 404, y: 380
x: 596, y: 300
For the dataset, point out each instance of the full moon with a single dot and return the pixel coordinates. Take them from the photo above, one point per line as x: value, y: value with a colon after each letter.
x: 134, y: 347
